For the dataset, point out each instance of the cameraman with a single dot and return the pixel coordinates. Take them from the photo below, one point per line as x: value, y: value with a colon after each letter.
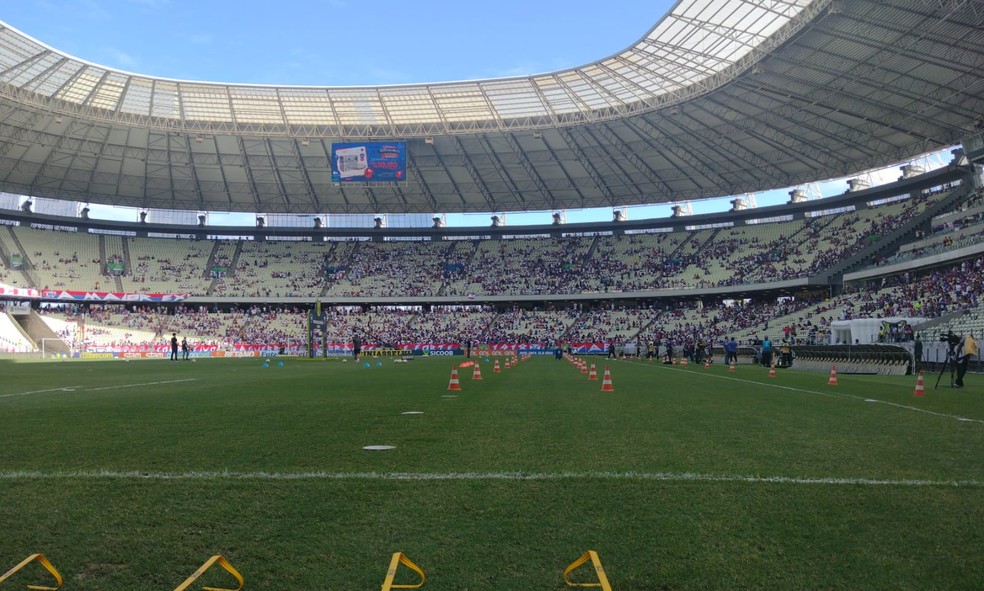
x: 968, y: 349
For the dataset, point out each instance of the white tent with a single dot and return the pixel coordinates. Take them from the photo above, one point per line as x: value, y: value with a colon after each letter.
x: 864, y: 331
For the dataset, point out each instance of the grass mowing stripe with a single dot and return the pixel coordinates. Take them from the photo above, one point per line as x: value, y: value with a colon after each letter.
x: 516, y: 476
x: 832, y: 395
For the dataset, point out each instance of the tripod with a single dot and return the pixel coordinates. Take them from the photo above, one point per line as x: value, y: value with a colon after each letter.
x: 949, y: 364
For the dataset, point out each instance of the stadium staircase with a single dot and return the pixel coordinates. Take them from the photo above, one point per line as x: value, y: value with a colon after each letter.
x: 127, y: 260
x: 890, y: 243
x: 102, y: 255
x: 444, y: 282
x: 104, y: 264
x: 326, y: 282
x: 3, y: 256
x: 591, y: 250
x: 28, y: 264
x: 347, y: 264
x: 207, y: 271
x: 645, y: 329
x: 230, y: 271
x: 234, y: 264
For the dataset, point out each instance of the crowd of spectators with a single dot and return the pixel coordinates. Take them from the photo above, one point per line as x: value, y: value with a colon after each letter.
x: 531, y: 266
x: 929, y: 294
x: 739, y: 255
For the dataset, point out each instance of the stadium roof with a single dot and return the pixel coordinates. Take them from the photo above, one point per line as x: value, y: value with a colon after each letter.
x: 719, y: 98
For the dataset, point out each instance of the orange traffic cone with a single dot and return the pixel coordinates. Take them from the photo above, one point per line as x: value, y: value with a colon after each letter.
x: 731, y: 368
x: 920, y: 387
x: 833, y: 376
x: 606, y: 384
x: 683, y: 361
x: 453, y: 384
x: 593, y: 375
x: 584, y: 368
x: 477, y: 372
x: 772, y: 370
x: 495, y: 368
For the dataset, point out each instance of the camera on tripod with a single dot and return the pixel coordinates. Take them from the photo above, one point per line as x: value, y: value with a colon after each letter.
x: 952, y: 341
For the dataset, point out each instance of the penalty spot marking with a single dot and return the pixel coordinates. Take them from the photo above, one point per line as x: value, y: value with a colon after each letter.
x: 507, y: 476
x: 412, y: 412
x: 379, y: 447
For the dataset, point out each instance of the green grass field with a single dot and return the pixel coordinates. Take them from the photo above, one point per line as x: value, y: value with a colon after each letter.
x: 130, y: 475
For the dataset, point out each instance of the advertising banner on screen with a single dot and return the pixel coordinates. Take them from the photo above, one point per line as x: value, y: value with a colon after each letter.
x: 369, y: 162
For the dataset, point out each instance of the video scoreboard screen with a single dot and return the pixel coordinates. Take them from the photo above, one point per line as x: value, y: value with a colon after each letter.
x: 369, y: 162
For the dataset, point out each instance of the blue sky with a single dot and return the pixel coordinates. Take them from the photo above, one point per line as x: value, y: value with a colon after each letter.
x: 350, y: 43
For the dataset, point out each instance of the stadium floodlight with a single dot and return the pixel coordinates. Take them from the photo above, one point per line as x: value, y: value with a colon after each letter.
x: 857, y: 184
x: 429, y: 140
x: 911, y: 170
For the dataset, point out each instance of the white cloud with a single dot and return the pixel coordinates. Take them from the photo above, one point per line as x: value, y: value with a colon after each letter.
x: 199, y: 38
x: 523, y: 69
x: 120, y: 58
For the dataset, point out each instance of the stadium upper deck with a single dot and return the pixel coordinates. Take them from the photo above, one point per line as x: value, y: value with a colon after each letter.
x: 717, y: 99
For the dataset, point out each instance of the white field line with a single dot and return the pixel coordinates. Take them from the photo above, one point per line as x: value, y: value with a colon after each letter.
x: 467, y: 476
x: 832, y: 394
x: 62, y: 389
x: 80, y: 388
x: 143, y: 384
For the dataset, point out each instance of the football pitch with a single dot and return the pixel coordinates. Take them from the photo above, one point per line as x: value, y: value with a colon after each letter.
x: 130, y: 475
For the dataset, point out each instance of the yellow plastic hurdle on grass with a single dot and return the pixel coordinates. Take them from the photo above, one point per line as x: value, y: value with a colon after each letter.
x: 218, y: 558
x: 599, y: 570
x: 395, y: 561
x: 43, y: 562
